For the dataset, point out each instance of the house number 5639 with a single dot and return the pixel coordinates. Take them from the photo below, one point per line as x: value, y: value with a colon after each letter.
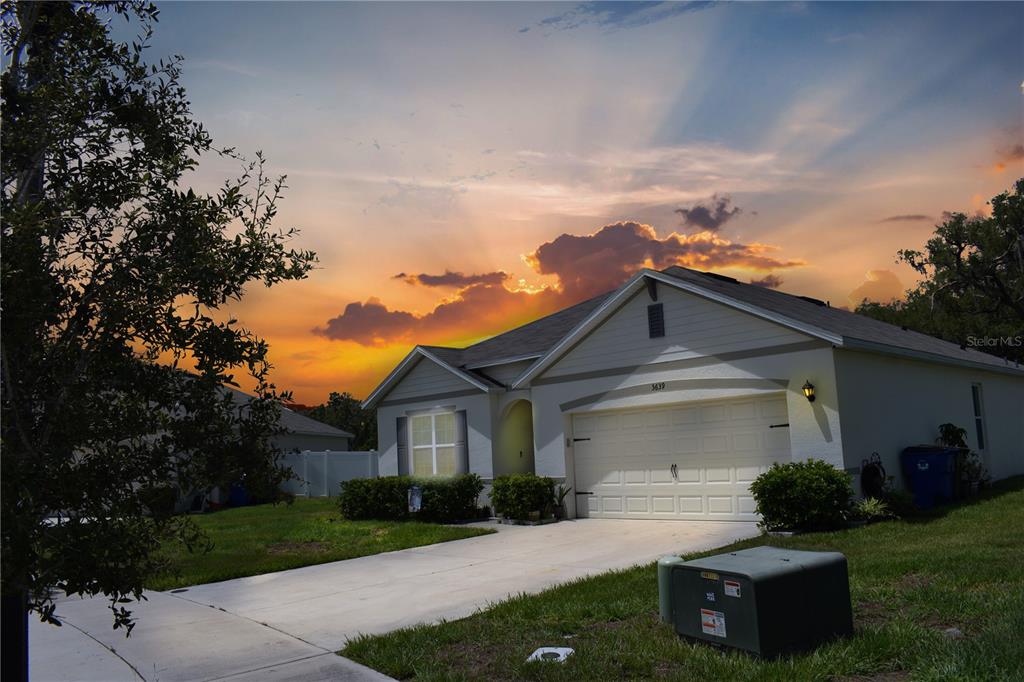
x: 658, y: 386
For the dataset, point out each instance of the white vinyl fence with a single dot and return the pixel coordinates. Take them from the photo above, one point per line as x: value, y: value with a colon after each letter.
x: 320, y: 473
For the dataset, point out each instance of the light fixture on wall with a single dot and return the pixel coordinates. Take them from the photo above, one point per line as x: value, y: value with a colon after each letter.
x: 809, y: 391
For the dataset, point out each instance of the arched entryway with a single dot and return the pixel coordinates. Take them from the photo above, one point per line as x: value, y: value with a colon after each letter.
x: 513, y: 447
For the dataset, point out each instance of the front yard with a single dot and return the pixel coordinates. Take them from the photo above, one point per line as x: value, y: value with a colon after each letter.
x: 911, y: 581
x: 266, y: 538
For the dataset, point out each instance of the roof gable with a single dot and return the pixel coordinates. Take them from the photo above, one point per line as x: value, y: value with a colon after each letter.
x: 421, y: 354
x: 841, y: 328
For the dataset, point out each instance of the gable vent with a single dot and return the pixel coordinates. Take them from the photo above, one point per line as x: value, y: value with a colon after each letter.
x: 656, y: 320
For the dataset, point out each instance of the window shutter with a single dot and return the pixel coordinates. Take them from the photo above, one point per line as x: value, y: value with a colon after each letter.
x: 656, y: 320
x: 403, y: 446
x: 461, y: 443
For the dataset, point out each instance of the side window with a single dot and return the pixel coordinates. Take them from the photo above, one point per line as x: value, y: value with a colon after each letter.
x: 979, y: 415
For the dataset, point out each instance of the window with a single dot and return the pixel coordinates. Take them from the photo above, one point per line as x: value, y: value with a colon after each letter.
x: 656, y: 320
x: 979, y: 418
x: 433, y: 444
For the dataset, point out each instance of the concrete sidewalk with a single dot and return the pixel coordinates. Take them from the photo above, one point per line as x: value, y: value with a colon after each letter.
x: 286, y: 625
x: 176, y: 639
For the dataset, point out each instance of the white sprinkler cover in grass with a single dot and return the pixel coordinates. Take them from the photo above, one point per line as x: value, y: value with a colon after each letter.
x: 553, y: 654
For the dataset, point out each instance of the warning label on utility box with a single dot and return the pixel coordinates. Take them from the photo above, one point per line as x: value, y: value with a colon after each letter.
x: 712, y: 622
x: 732, y: 588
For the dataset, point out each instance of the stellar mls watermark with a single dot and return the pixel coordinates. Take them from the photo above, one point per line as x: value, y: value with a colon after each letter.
x: 994, y: 341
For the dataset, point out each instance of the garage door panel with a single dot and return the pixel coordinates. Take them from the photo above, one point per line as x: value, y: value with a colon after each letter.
x: 691, y: 504
x: 611, y: 505
x: 636, y: 505
x: 687, y: 415
x: 746, y: 442
x: 719, y: 504
x: 717, y: 448
x: 635, y: 477
x: 711, y: 414
x: 715, y: 443
x: 664, y: 504
x: 687, y: 446
x: 743, y: 410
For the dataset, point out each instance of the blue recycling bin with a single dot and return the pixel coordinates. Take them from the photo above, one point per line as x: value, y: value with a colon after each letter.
x: 238, y: 496
x: 930, y: 471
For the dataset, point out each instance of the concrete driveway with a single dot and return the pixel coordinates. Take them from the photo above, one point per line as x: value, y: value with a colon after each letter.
x: 284, y: 625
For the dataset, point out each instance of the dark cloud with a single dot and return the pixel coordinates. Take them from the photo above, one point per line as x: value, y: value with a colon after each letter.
x: 768, y: 282
x: 453, y: 279
x: 369, y: 324
x: 1009, y: 153
x: 710, y: 215
x: 585, y: 265
x: 905, y: 218
x: 616, y: 15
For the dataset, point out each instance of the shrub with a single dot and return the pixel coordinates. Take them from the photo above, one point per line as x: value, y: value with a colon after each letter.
x: 811, y: 495
x: 900, y: 503
x: 516, y: 495
x: 872, y: 509
x: 450, y: 499
x: 385, y: 498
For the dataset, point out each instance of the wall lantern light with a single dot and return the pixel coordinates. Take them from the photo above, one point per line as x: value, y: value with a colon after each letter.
x: 809, y: 391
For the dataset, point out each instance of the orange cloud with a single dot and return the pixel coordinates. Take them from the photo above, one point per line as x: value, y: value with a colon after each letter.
x: 585, y: 266
x: 879, y: 286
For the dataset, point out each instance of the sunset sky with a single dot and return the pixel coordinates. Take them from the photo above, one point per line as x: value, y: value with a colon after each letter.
x: 463, y: 168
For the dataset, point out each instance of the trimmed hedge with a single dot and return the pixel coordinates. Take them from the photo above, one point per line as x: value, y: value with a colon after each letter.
x: 444, y: 500
x: 516, y: 495
x: 802, y: 496
x: 384, y: 498
x: 450, y: 499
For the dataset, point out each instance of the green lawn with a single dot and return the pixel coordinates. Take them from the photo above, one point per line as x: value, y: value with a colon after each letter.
x: 910, y: 581
x: 266, y: 538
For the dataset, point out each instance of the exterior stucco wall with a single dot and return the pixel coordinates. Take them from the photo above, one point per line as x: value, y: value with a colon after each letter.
x: 891, y: 403
x: 479, y: 422
x: 814, y: 427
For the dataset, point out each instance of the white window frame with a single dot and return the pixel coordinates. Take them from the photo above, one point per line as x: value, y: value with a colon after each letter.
x: 978, y: 410
x: 434, y: 445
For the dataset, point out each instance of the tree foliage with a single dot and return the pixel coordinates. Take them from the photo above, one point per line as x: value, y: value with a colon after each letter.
x: 114, y: 277
x: 972, y: 287
x: 343, y: 411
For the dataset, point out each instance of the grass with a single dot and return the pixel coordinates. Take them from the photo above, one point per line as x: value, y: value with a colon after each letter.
x: 266, y: 538
x: 910, y: 581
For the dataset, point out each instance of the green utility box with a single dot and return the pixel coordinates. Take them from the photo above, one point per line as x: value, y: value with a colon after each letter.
x: 764, y: 600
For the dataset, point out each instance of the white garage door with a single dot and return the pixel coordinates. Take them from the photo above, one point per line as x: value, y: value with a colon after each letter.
x: 687, y: 461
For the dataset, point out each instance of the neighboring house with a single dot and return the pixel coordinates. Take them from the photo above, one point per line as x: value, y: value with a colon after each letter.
x: 302, y: 433
x: 668, y: 396
x: 309, y: 434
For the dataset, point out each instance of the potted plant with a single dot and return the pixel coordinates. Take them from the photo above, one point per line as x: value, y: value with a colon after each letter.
x: 560, y: 494
x: 973, y: 473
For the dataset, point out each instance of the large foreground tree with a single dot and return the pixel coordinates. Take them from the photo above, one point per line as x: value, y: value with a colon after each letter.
x: 113, y: 273
x: 972, y: 286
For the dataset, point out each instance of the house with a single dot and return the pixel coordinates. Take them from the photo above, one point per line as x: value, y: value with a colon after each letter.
x: 309, y: 434
x: 668, y: 396
x: 301, y: 432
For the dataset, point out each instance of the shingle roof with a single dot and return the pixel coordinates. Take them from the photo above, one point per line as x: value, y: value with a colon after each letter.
x: 293, y: 421
x: 532, y: 339
x: 843, y: 323
x: 539, y: 337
